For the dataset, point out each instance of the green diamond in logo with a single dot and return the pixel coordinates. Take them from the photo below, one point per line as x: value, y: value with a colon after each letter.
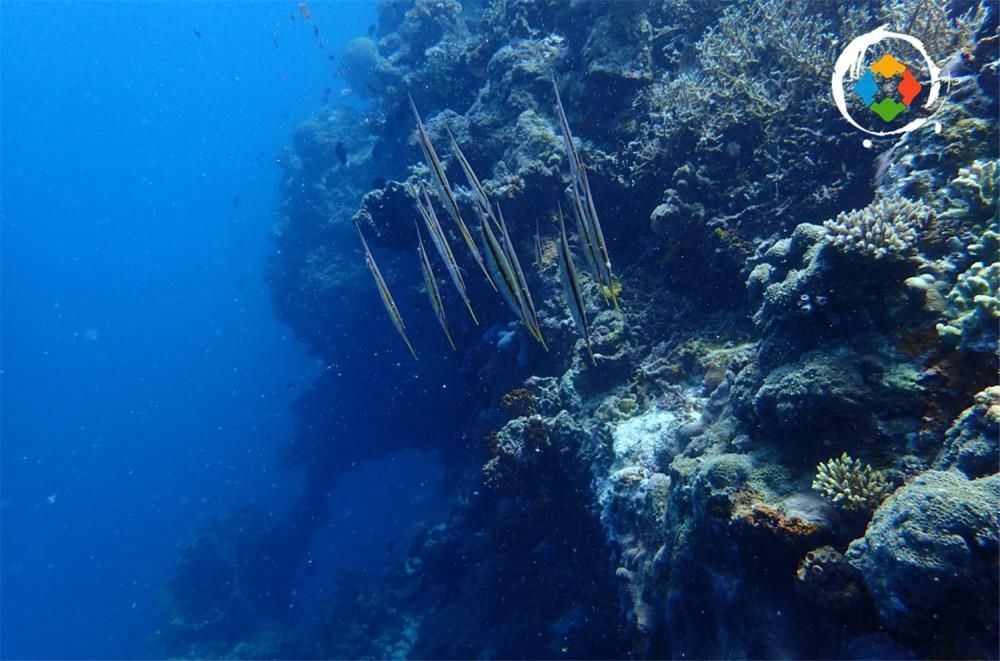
x: 887, y: 108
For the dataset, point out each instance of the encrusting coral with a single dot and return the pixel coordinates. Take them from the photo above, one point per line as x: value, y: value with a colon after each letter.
x: 846, y: 483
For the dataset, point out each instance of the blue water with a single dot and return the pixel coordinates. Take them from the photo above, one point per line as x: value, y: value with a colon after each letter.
x: 146, y: 384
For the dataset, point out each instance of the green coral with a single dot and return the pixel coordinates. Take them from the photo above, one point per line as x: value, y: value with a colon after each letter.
x: 974, y: 309
x: 845, y: 482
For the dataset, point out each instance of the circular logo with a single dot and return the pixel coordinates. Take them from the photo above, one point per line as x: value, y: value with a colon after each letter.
x: 887, y: 88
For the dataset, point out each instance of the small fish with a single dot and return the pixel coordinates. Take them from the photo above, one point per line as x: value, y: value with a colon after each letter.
x: 236, y: 202
x: 304, y: 10
x: 433, y: 292
x: 513, y: 287
x: 528, y: 313
x: 592, y: 236
x: 341, y: 151
x: 196, y: 33
x: 538, y: 246
x: 481, y: 201
x: 444, y: 192
x: 384, y: 294
x: 332, y: 58
x: 371, y: 30
x: 291, y: 17
x: 345, y: 92
x: 571, y: 287
x: 505, y: 275
x: 440, y: 241
x: 316, y: 31
x: 598, y: 236
x: 501, y: 270
x: 274, y: 40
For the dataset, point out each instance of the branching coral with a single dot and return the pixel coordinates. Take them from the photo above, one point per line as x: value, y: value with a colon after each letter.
x: 846, y: 483
x: 887, y: 228
x: 972, y: 194
x: 942, y: 35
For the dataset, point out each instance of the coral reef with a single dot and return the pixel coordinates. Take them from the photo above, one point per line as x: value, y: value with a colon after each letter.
x: 786, y: 295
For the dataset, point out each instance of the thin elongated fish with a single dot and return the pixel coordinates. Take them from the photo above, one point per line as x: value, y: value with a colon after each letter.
x: 528, y: 313
x: 538, y: 246
x: 571, y: 286
x: 504, y: 265
x: 500, y: 267
x: 432, y: 287
x: 440, y: 242
x: 383, y: 292
x: 444, y: 191
x: 480, y: 199
x: 591, y: 234
x: 590, y: 251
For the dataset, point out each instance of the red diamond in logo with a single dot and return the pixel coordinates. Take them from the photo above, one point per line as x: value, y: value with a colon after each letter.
x: 908, y: 87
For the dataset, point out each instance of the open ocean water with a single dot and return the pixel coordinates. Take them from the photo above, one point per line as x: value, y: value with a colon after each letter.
x: 697, y: 356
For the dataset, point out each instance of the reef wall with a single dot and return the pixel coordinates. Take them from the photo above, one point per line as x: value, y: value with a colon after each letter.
x: 786, y: 444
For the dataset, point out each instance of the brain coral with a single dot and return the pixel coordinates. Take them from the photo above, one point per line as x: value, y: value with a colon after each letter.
x: 929, y: 558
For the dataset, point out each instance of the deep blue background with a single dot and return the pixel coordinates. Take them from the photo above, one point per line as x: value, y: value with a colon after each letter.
x: 145, y: 382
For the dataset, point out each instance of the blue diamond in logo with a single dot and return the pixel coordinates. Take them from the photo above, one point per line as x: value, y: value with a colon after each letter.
x: 866, y: 87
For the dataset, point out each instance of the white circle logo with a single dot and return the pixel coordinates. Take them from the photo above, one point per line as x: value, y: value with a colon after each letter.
x: 850, y: 67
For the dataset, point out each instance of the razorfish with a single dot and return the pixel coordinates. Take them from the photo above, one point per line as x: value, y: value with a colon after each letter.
x: 591, y: 235
x: 500, y: 268
x: 571, y: 286
x: 440, y: 241
x: 528, y: 313
x: 432, y: 287
x: 504, y: 266
x: 444, y: 191
x: 481, y: 201
x: 384, y: 294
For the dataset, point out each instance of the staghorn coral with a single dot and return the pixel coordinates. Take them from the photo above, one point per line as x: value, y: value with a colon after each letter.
x: 847, y: 484
x: 973, y: 309
x: 887, y: 228
x: 941, y: 32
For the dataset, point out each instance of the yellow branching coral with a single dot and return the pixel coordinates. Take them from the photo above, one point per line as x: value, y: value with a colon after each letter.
x: 847, y: 484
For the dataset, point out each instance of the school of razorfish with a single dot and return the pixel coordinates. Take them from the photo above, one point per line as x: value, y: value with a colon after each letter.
x: 498, y: 259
